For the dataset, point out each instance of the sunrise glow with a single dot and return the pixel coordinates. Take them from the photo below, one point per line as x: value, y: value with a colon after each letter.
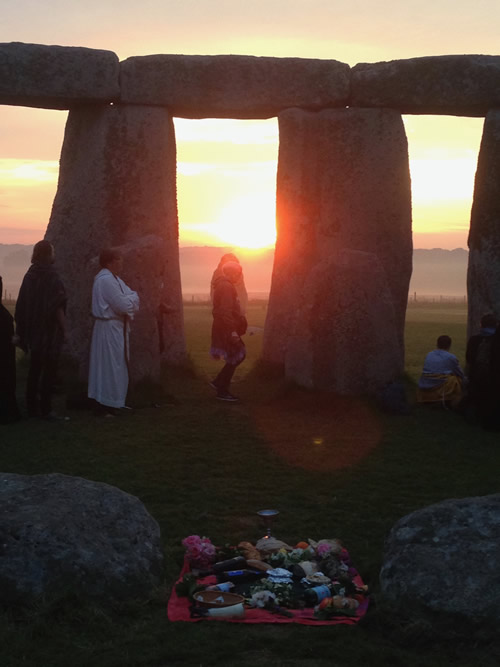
x: 248, y: 222
x: 226, y: 180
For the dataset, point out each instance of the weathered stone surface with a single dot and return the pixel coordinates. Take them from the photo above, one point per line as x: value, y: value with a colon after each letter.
x: 343, y: 183
x: 61, y: 534
x: 446, y: 558
x: 57, y: 77
x: 233, y: 86
x: 345, y: 335
x: 459, y: 85
x: 483, y: 273
x: 116, y: 186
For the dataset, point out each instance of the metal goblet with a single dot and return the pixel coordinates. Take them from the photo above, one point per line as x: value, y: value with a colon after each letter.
x: 268, y: 516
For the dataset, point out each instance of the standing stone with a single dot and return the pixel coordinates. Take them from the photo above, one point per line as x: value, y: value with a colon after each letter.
x: 483, y: 274
x: 340, y: 298
x: 230, y: 86
x: 116, y: 186
x: 57, y: 77
x: 458, y: 85
x: 343, y: 184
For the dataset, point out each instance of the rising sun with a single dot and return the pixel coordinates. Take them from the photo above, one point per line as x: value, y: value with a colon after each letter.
x: 248, y: 222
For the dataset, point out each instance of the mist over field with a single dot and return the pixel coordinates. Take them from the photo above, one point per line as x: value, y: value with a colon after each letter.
x: 435, y: 272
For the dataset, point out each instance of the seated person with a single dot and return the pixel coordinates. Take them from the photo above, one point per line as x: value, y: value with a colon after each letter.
x: 441, y: 378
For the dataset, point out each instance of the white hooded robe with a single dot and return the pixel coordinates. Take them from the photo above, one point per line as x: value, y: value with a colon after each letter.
x: 113, y: 304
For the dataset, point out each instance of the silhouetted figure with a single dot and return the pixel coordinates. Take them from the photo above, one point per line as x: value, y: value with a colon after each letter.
x: 226, y: 329
x: 40, y: 327
x: 9, y: 412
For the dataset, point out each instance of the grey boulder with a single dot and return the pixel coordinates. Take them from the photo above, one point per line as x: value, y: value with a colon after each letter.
x: 62, y: 534
x: 445, y: 558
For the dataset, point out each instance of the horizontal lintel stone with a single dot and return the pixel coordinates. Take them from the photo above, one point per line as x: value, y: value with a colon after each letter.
x: 233, y: 86
x: 57, y: 77
x: 458, y: 85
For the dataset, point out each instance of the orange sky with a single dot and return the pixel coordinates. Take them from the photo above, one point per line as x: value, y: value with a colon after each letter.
x: 227, y: 169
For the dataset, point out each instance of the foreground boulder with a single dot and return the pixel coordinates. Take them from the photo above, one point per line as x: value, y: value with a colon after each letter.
x: 61, y: 534
x: 446, y: 558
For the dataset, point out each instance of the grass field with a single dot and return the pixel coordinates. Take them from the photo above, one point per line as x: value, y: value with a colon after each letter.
x: 333, y: 467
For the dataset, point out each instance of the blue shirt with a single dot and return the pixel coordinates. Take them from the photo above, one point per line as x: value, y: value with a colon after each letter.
x: 439, y: 362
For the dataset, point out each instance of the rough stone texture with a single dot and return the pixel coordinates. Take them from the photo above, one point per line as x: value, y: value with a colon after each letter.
x: 116, y: 186
x: 446, y: 558
x: 61, y: 534
x: 344, y: 334
x: 57, y: 77
x: 483, y: 274
x: 233, y: 86
x: 459, y: 85
x: 343, y: 183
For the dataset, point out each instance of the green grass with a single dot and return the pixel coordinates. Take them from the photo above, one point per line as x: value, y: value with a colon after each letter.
x: 333, y: 467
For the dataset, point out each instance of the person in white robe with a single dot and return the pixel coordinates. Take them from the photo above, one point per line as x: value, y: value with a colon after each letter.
x: 113, y: 306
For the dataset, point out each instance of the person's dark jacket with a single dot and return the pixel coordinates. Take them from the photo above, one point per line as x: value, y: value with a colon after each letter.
x: 41, y: 295
x: 226, y: 313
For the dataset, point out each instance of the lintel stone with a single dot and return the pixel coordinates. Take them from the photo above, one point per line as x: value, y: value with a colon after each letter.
x: 229, y: 86
x: 57, y: 77
x: 458, y: 85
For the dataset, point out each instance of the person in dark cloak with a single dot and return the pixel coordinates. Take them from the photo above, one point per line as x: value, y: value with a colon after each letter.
x: 227, y: 328
x: 9, y: 412
x: 40, y: 327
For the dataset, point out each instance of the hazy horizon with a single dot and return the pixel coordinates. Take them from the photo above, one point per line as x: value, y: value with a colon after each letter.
x: 436, y: 271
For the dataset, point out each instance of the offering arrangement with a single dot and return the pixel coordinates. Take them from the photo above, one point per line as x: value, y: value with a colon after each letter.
x: 311, y: 582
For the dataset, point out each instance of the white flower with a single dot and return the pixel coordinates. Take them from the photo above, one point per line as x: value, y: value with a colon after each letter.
x: 263, y: 598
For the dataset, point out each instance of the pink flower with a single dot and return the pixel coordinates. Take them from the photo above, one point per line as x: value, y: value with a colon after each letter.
x: 200, y: 551
x: 191, y: 540
x: 323, y: 549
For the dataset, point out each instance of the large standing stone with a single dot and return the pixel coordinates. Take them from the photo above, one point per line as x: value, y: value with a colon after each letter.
x: 57, y: 77
x: 459, y: 85
x: 483, y: 274
x: 116, y: 186
x: 345, y: 305
x: 446, y: 558
x: 343, y: 184
x: 61, y: 534
x: 233, y: 86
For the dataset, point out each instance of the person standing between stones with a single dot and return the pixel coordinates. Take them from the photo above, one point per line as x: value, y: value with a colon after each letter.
x: 41, y: 328
x: 9, y: 412
x: 241, y: 290
x: 113, y: 306
x: 483, y: 390
x: 441, y: 379
x: 227, y: 329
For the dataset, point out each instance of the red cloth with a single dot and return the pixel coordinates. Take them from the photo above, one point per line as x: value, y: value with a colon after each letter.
x: 178, y: 609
